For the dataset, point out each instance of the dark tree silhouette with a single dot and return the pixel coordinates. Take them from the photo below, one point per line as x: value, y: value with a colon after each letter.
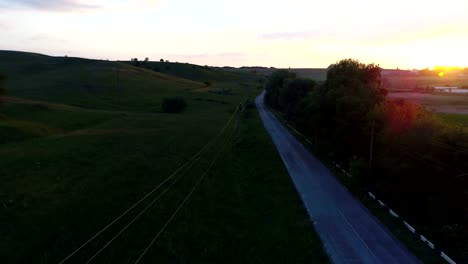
x: 173, y: 104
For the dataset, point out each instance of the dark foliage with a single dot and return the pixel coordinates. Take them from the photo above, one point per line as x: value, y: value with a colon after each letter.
x: 173, y: 104
x: 336, y: 114
x: 292, y: 93
x: 275, y: 84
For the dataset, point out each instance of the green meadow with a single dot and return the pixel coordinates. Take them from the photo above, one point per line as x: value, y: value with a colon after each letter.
x: 83, y: 140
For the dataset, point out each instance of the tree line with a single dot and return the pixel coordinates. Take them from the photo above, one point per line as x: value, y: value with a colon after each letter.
x: 418, y: 163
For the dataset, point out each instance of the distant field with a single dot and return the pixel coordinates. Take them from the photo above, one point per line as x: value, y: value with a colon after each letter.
x: 83, y: 140
x: 405, y: 83
x: 443, y: 103
x: 317, y: 74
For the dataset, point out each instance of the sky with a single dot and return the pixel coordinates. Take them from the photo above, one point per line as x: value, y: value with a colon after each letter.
x: 290, y: 33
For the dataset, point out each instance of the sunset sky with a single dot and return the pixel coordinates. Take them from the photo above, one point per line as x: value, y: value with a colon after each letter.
x: 292, y: 33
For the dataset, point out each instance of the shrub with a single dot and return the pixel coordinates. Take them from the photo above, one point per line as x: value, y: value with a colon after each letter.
x: 173, y: 104
x: 207, y: 83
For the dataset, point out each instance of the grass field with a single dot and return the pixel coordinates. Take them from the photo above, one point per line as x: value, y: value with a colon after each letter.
x: 83, y: 140
x: 456, y: 119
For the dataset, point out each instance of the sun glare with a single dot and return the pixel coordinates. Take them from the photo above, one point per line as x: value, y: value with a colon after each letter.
x: 441, y: 74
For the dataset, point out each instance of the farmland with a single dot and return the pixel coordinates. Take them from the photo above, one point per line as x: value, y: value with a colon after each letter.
x: 407, y: 82
x: 441, y: 103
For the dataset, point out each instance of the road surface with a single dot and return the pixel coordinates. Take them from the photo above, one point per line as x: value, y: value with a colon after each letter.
x: 349, y: 232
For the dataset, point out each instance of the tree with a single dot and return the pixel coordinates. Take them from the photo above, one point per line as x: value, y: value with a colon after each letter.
x: 336, y: 114
x: 146, y: 59
x: 274, y: 84
x: 161, y: 60
x: 292, y: 93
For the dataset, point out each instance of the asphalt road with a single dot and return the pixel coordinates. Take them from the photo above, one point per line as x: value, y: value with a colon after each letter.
x: 349, y: 232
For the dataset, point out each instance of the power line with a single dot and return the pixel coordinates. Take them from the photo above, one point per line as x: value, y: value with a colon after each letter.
x: 154, y: 189
x: 184, y: 201
x: 142, y: 212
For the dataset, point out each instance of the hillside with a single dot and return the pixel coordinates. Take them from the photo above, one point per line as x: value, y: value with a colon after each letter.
x: 191, y: 71
x: 83, y: 140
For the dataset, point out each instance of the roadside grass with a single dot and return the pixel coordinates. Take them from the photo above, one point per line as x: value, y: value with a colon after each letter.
x: 86, y: 155
x: 396, y: 227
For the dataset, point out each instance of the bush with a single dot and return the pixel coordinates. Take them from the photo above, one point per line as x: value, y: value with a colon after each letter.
x: 173, y: 104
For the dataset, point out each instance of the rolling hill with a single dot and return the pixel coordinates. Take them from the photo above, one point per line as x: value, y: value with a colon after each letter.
x: 82, y: 140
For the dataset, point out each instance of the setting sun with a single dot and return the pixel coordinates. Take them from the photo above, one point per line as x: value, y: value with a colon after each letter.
x: 441, y: 74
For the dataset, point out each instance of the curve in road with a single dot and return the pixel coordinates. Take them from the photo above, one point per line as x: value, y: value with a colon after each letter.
x: 349, y: 232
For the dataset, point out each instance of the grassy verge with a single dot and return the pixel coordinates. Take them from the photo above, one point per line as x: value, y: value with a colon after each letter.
x: 396, y: 227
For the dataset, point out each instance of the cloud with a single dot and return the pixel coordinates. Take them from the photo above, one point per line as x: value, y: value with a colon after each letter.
x: 45, y: 38
x: 49, y: 5
x: 295, y: 35
x: 4, y: 25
